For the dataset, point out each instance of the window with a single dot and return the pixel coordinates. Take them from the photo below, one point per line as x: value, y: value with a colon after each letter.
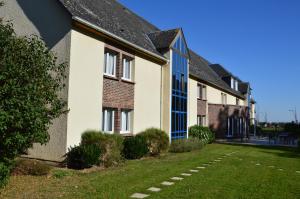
x: 237, y: 101
x: 127, y: 69
x: 201, y: 92
x: 236, y: 85
x: 232, y: 83
x: 125, y: 121
x: 201, y: 120
x: 108, y: 116
x: 224, y: 98
x: 110, y: 64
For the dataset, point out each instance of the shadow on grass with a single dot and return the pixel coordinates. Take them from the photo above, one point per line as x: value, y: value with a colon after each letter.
x: 281, y: 151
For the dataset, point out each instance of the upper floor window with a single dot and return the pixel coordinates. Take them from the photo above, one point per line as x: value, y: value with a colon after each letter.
x: 127, y: 69
x: 201, y: 91
x: 125, y: 121
x: 237, y: 101
x: 110, y: 64
x: 224, y: 98
x: 108, y: 117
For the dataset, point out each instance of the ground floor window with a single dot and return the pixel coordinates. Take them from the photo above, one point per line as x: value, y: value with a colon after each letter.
x: 236, y: 126
x: 125, y: 121
x: 108, y: 116
x: 201, y: 120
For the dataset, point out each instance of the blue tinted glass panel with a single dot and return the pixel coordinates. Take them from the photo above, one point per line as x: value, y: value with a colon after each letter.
x: 179, y: 95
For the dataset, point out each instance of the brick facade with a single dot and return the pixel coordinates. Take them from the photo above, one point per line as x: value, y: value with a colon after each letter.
x: 218, y: 117
x: 201, y: 107
x: 118, y: 93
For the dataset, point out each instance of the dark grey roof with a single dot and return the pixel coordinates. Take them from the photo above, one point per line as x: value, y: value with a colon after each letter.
x: 163, y: 39
x: 120, y: 21
x: 200, y: 68
x: 220, y: 70
x: 114, y: 18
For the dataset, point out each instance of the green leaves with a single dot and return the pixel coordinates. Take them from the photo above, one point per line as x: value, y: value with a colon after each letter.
x: 30, y: 80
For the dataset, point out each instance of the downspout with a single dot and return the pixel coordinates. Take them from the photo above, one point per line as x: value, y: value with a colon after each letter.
x: 160, y: 122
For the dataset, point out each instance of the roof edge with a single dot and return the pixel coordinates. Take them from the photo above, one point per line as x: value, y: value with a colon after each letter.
x: 218, y: 87
x: 80, y: 20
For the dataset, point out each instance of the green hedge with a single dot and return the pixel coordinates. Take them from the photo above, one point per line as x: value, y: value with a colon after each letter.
x: 135, y: 147
x: 111, y: 146
x: 185, y: 145
x: 83, y: 156
x: 202, y: 133
x: 157, y: 140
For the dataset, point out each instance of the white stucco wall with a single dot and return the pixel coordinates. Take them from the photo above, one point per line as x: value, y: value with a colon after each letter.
x: 214, y: 97
x: 147, y: 95
x: 192, y: 98
x: 85, y: 86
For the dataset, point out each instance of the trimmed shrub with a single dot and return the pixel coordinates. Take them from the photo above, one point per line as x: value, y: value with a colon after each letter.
x: 83, y: 156
x: 31, y: 167
x: 111, y: 146
x: 135, y: 147
x: 157, y: 140
x: 202, y: 133
x: 4, y: 174
x: 185, y: 145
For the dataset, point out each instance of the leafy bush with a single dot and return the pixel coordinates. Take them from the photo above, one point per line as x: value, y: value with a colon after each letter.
x: 111, y: 146
x: 4, y: 174
x: 30, y: 83
x: 31, y: 167
x: 185, y: 145
x: 202, y: 133
x: 83, y: 156
x: 157, y: 140
x: 135, y: 147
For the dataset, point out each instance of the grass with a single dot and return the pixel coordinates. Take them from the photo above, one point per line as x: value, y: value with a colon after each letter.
x: 236, y: 176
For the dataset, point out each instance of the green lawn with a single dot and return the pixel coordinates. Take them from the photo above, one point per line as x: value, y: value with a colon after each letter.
x: 236, y: 176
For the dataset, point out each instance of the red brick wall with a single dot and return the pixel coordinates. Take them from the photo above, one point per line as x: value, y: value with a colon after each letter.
x: 218, y: 115
x: 118, y: 93
x: 201, y: 107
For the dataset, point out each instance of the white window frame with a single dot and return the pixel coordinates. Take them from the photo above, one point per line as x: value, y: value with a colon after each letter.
x: 237, y: 101
x: 106, y: 63
x: 201, y: 91
x: 130, y: 68
x: 123, y: 112
x: 105, y: 122
x: 224, y: 98
x: 201, y: 120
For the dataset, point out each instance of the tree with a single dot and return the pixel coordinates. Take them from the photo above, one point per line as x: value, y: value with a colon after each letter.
x: 30, y: 82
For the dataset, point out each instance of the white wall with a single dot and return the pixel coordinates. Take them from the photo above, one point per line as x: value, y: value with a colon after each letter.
x: 214, y: 97
x: 85, y: 86
x: 147, y: 95
x: 192, y: 98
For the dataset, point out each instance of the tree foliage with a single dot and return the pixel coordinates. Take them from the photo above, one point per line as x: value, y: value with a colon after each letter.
x: 30, y: 83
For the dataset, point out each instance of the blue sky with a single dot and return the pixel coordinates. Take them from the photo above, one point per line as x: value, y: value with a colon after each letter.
x: 257, y: 40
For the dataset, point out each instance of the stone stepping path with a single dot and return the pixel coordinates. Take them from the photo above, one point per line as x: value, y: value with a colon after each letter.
x: 258, y: 164
x: 167, y: 183
x: 139, y: 195
x: 186, y: 174
x: 194, y: 170
x: 176, y: 178
x: 154, y: 189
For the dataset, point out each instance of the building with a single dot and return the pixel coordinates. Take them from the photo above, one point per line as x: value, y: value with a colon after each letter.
x: 126, y: 75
